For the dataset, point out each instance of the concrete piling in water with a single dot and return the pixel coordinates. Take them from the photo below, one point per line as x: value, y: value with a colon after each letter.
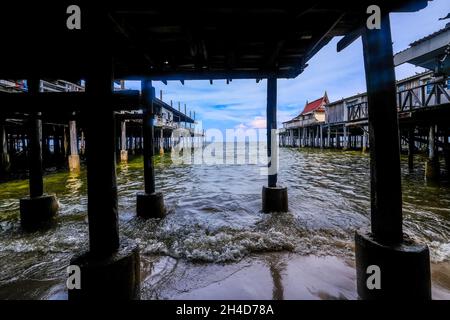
x: 38, y: 210
x: 149, y: 204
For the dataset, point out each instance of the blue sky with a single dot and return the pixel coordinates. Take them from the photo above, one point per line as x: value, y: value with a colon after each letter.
x: 242, y: 103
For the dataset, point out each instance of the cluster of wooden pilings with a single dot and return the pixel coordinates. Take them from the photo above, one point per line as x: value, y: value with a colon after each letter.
x: 431, y: 139
x: 416, y: 137
x: 62, y: 145
x: 327, y: 136
x: 130, y: 141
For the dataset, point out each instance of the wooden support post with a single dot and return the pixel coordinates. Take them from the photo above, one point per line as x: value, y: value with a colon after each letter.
x: 383, y: 247
x: 446, y: 150
x: 56, y: 146
x: 65, y: 142
x: 74, y: 158
x: 338, y: 139
x: 82, y: 143
x: 271, y: 128
x: 411, y: 149
x: 4, y: 155
x: 161, y: 141
x: 329, y: 137
x: 321, y: 136
x: 123, y: 142
x: 149, y: 171
x: 432, y: 166
x: 365, y: 140
x: 386, y: 193
x: 111, y: 268
x: 35, y: 150
x: 345, y: 138
x: 101, y: 163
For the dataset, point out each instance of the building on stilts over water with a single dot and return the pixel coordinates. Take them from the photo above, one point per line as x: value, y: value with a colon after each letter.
x: 423, y: 109
x: 305, y: 129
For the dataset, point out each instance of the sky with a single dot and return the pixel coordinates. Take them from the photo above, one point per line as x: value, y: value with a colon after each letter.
x: 242, y: 103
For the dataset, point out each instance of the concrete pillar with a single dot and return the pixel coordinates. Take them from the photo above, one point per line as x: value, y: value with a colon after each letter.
x: 395, y: 261
x: 74, y: 158
x: 37, y: 210
x: 446, y: 151
x: 432, y: 166
x: 150, y: 204
x: 123, y: 142
x: 274, y: 198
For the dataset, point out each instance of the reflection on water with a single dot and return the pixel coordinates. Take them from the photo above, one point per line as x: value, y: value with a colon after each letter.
x: 215, y: 242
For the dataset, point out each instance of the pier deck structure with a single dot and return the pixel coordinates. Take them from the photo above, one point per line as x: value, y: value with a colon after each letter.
x: 131, y: 41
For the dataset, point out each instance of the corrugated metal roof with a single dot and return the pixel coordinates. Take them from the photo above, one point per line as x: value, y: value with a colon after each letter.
x: 434, y: 34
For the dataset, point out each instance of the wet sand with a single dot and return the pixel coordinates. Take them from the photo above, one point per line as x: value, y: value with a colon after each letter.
x: 268, y: 276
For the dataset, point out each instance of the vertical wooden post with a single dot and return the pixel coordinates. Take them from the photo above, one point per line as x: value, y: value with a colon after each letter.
x: 397, y: 261
x: 411, y: 149
x: 4, y: 156
x: 321, y: 136
x: 446, y: 150
x: 271, y: 125
x: 161, y: 142
x: 101, y: 159
x: 329, y: 137
x: 123, y: 141
x: 386, y: 193
x: 149, y: 204
x: 345, y: 138
x: 431, y: 143
x: 432, y: 166
x: 74, y: 158
x: 338, y: 138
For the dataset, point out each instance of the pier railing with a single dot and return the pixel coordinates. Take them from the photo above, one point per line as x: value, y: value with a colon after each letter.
x: 300, y: 123
x: 358, y: 111
x: 423, y: 96
x: 426, y: 95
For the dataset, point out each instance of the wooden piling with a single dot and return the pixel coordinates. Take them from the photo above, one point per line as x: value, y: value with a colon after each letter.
x: 271, y: 125
x: 386, y: 194
x: 35, y: 152
x: 149, y: 171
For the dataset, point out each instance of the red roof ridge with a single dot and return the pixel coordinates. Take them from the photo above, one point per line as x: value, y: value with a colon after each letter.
x: 315, y: 105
